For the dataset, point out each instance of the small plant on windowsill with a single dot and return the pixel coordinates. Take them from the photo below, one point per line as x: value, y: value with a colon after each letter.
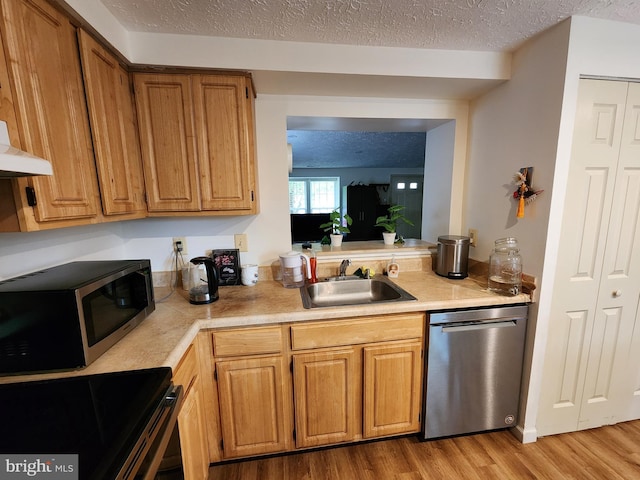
x: 390, y: 223
x: 337, y: 225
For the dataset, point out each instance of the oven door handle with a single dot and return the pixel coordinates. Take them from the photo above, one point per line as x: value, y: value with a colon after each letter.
x: 174, y: 401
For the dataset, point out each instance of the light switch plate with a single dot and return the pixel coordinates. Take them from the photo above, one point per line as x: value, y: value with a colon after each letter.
x: 241, y: 242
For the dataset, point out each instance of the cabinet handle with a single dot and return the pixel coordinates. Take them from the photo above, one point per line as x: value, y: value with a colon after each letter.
x: 616, y: 293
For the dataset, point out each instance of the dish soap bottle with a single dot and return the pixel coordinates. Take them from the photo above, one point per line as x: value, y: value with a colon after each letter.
x: 505, y: 267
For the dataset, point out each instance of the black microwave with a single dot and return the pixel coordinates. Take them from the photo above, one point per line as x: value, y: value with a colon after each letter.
x: 65, y: 317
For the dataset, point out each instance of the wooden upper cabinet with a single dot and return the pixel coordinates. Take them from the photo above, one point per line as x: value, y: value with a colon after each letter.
x: 223, y: 117
x: 197, y: 137
x: 114, y: 129
x: 165, y: 117
x: 50, y: 111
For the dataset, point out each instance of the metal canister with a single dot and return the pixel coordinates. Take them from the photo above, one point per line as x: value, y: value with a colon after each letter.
x: 453, y: 256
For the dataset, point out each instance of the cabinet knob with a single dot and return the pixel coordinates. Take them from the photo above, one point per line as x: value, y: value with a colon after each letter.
x: 616, y: 293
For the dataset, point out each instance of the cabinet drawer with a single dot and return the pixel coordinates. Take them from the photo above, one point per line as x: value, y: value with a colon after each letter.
x: 356, y: 331
x: 249, y: 341
x: 187, y: 369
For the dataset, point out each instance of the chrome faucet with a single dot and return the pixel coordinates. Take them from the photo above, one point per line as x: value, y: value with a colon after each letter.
x: 343, y: 267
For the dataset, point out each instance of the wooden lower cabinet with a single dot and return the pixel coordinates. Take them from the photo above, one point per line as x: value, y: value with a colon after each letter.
x: 362, y: 378
x: 252, y: 406
x: 193, y: 438
x: 309, y: 384
x: 192, y: 423
x: 326, y: 397
x: 392, y: 389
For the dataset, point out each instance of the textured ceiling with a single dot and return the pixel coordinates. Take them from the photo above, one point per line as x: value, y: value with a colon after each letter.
x: 327, y: 142
x: 475, y: 25
x: 337, y: 149
x: 479, y: 25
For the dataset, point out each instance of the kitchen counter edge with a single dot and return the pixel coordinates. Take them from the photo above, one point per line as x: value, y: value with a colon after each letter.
x: 163, y: 338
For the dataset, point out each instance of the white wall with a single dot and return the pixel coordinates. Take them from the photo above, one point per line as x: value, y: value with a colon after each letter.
x: 516, y: 125
x: 283, y: 106
x: 438, y: 176
x: 25, y: 252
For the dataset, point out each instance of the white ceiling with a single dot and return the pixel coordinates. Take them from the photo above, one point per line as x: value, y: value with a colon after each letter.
x: 476, y: 25
x: 472, y: 25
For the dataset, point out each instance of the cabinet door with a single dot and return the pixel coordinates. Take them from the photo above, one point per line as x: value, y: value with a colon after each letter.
x: 392, y: 389
x: 252, y: 406
x: 113, y: 128
x: 362, y: 207
x: 44, y: 68
x: 193, y: 438
x: 325, y: 397
x: 223, y: 113
x: 165, y: 118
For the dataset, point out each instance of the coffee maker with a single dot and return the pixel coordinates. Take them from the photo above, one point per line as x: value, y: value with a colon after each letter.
x: 206, y: 293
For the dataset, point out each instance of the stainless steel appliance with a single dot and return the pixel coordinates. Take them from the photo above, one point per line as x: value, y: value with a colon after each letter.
x: 473, y: 370
x: 118, y: 424
x: 67, y: 316
x: 452, y: 256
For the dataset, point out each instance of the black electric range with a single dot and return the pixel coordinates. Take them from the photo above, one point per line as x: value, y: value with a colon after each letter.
x: 98, y: 417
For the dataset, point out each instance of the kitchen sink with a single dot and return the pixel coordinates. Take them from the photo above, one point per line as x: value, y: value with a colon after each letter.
x: 338, y: 291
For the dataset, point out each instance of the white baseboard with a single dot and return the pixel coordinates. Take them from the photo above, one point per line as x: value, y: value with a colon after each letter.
x: 525, y: 435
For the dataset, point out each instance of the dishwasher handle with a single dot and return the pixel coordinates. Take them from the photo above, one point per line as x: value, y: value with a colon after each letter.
x: 466, y: 327
x: 495, y: 314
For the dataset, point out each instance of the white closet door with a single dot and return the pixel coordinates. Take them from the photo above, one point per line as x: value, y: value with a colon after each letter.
x: 620, y: 291
x: 594, y: 158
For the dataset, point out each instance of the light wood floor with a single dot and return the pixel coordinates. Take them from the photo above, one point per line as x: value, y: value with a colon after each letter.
x: 606, y: 453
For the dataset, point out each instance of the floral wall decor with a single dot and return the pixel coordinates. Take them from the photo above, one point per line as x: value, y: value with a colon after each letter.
x: 524, y: 193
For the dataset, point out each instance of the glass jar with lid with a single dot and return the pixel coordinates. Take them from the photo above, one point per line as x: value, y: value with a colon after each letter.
x: 505, y: 267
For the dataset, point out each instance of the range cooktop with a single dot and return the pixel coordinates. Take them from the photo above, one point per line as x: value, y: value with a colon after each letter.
x: 97, y: 417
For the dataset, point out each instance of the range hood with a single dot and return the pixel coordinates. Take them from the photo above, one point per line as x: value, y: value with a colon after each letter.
x: 16, y: 163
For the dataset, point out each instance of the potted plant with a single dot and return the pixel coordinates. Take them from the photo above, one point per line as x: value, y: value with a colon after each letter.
x: 337, y: 225
x: 390, y: 222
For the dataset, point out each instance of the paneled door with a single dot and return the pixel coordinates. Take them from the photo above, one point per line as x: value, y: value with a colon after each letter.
x: 42, y: 54
x: 586, y: 378
x: 167, y: 140
x: 392, y: 389
x: 325, y: 396
x: 224, y: 136
x: 251, y: 394
x: 621, y: 274
x: 114, y: 129
x: 406, y: 190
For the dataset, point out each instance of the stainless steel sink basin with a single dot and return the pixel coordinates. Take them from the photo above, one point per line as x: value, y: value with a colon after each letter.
x: 335, y: 292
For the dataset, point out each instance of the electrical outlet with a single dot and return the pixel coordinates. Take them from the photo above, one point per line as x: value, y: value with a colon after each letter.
x: 473, y: 237
x: 180, y: 245
x: 241, y: 242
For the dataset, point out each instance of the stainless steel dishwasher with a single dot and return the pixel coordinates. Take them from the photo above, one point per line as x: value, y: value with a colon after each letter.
x: 473, y: 370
